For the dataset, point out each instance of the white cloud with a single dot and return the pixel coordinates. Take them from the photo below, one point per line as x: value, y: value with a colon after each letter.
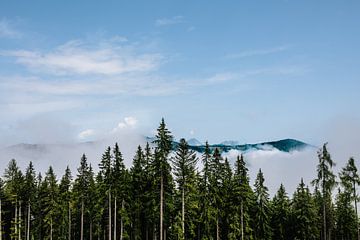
x: 7, y: 30
x: 78, y: 57
x: 258, y: 52
x: 192, y: 132
x: 169, y: 21
x: 128, y: 123
x: 86, y: 134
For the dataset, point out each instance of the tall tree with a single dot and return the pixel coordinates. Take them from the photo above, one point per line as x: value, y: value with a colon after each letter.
x: 242, y: 202
x: 280, y: 219
x: 325, y: 181
x: 184, y: 163
x: 106, y: 176
x: 262, y: 209
x: 51, y: 203
x: 350, y: 180
x: 65, y: 198
x: 163, y: 142
x: 30, y: 191
x: 304, y: 214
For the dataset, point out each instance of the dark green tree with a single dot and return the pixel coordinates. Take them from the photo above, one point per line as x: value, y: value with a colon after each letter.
x: 184, y: 163
x: 262, y: 209
x: 304, y: 215
x: 280, y: 219
x: 325, y: 182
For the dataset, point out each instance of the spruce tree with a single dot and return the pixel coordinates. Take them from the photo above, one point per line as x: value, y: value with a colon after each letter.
x: 163, y: 177
x: 30, y: 191
x: 304, y: 215
x: 350, y: 180
x: 280, y: 219
x: 65, y: 204
x: 262, y: 209
x: 325, y: 182
x: 184, y: 163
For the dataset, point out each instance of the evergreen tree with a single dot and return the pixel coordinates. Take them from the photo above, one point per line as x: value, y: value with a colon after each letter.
x: 65, y: 204
x: 51, y: 203
x: 280, y: 219
x: 184, y: 164
x: 325, y: 181
x: 304, y: 215
x: 350, y: 180
x: 242, y: 202
x: 205, y: 210
x: 262, y: 209
x: 30, y: 194
x: 163, y: 177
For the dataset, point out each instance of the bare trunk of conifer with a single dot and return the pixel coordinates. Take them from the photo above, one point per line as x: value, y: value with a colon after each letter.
x: 146, y: 233
x: 154, y: 233
x: 183, y: 212
x: 217, y: 229
x: 82, y: 221
x: 242, y: 220
x: 69, y: 230
x: 165, y: 234
x: 19, y: 233
x: 28, y: 222
x: 90, y: 229
x: 51, y: 229
x: 356, y: 211
x: 16, y: 217
x: 0, y: 221
x: 109, y: 214
x: 115, y: 220
x: 122, y: 220
x: 324, y: 208
x: 161, y: 206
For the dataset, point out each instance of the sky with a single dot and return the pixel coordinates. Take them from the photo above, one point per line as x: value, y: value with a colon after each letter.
x: 251, y: 71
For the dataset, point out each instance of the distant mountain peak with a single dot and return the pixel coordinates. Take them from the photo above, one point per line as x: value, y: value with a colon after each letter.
x: 194, y: 142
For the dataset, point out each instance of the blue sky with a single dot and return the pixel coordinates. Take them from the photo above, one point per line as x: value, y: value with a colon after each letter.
x: 243, y: 70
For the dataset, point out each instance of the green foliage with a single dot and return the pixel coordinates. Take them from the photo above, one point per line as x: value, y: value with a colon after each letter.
x: 214, y: 203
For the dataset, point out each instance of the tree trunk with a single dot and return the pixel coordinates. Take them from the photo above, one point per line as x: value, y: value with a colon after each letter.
x: 69, y: 230
x: 28, y: 222
x: 122, y: 220
x: 109, y: 214
x: 19, y: 235
x: 51, y: 229
x: 356, y: 211
x: 0, y: 221
x: 242, y: 220
x: 90, y: 229
x: 217, y: 229
x: 324, y: 208
x: 161, y: 206
x: 115, y: 220
x: 82, y: 221
x: 183, y: 212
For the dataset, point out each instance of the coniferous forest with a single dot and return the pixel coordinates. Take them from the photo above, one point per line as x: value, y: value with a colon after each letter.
x: 164, y: 196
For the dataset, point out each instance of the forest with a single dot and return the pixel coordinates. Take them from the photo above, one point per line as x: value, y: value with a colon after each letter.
x: 164, y: 195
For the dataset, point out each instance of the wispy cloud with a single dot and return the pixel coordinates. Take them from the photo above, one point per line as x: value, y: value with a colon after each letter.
x: 78, y: 57
x: 258, y: 52
x: 169, y: 21
x: 7, y: 30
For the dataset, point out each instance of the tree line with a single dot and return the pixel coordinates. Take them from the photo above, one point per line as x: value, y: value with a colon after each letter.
x: 164, y: 196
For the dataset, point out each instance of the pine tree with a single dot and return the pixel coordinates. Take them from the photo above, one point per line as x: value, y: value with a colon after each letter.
x: 326, y: 182
x: 242, y: 202
x: 81, y: 194
x: 205, y: 210
x: 51, y: 203
x: 30, y: 191
x: 163, y: 142
x: 262, y: 209
x: 304, y: 215
x: 106, y: 176
x: 65, y: 204
x: 184, y: 163
x: 280, y: 219
x: 350, y: 180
